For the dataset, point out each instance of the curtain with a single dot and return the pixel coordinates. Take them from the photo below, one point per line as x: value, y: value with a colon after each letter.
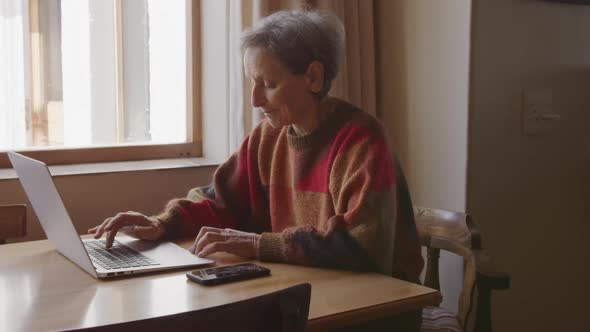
x: 355, y: 81
x: 13, y: 66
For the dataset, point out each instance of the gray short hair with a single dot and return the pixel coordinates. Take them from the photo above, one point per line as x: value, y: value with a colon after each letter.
x: 297, y: 38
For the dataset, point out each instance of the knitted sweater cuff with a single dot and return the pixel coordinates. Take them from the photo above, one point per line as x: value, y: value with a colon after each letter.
x: 271, y: 248
x: 172, y: 224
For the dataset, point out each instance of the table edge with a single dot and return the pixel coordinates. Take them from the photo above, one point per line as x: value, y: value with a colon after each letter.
x: 352, y: 317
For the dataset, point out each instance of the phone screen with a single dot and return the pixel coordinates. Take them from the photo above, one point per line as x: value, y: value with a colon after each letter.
x: 223, y: 274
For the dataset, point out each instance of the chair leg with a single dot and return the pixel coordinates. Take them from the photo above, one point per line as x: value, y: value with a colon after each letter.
x: 483, y: 321
x: 432, y: 275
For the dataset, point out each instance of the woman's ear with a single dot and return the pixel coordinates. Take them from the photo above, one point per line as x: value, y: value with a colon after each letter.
x: 314, y: 76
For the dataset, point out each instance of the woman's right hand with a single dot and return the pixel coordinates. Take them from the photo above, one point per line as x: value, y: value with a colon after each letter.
x: 130, y: 223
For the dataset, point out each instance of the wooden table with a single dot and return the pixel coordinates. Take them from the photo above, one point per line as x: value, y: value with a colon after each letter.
x: 42, y: 290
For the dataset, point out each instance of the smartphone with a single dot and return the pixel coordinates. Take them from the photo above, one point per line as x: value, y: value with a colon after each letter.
x: 223, y: 274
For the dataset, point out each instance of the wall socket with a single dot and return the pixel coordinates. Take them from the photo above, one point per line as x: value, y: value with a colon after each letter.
x: 538, y: 117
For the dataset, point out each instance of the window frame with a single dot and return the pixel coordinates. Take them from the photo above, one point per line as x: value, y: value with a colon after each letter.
x: 125, y: 152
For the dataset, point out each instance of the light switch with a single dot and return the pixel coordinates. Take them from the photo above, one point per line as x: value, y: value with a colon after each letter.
x: 538, y: 117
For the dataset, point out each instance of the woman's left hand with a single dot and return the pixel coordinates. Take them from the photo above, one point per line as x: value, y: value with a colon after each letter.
x: 211, y: 240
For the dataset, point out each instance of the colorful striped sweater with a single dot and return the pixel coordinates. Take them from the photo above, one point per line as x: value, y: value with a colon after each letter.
x: 331, y: 198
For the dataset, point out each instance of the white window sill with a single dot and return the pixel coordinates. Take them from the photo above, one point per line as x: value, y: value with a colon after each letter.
x: 122, y: 166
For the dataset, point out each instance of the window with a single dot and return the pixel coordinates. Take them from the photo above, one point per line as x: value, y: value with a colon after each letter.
x: 99, y: 80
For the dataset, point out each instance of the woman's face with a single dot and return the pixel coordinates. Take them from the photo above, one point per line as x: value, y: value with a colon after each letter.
x: 284, y: 98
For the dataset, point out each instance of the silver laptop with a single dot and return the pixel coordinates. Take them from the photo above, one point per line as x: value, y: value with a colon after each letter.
x: 127, y: 256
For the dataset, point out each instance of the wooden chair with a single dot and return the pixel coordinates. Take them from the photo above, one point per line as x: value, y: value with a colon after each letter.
x: 457, y: 233
x: 285, y: 310
x: 13, y: 221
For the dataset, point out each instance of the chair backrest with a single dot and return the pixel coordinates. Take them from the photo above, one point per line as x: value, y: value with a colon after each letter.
x: 13, y: 221
x: 285, y: 310
x: 456, y: 233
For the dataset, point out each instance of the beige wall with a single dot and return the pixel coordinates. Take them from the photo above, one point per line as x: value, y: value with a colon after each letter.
x: 92, y: 198
x: 531, y: 195
x: 422, y: 96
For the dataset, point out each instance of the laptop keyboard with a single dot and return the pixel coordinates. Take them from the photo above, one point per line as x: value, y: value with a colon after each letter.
x: 119, y: 256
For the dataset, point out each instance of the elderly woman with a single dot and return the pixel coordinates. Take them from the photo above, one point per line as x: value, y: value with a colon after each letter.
x: 314, y: 183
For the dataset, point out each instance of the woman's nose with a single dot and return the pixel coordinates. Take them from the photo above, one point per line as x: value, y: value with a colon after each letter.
x: 258, y: 98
